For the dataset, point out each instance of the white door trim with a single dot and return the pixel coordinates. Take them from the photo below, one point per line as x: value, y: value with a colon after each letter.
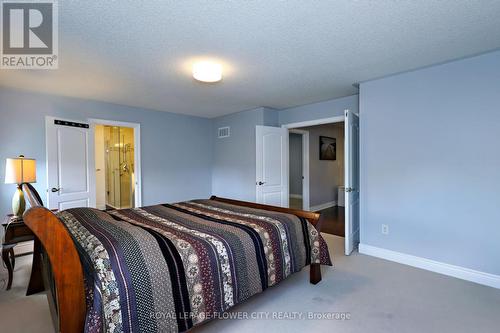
x: 305, y: 167
x: 315, y: 122
x: 137, y: 151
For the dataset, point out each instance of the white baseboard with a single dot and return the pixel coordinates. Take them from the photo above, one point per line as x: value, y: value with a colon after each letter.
x: 463, y: 273
x: 323, y: 206
x: 296, y: 196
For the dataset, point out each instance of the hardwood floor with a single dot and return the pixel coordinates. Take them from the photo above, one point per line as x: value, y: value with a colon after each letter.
x: 333, y: 221
x: 296, y: 203
x: 333, y: 218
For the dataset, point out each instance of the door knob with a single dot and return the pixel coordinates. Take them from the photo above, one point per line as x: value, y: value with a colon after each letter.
x: 54, y: 189
x: 261, y: 183
x: 349, y: 189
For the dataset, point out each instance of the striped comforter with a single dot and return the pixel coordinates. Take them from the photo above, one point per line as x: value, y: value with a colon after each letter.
x: 166, y: 268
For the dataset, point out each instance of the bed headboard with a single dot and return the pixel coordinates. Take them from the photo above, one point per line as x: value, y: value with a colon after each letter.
x: 64, y: 266
x: 33, y: 197
x: 61, y: 270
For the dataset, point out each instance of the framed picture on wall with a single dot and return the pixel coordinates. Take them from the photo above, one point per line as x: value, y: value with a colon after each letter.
x: 327, y: 148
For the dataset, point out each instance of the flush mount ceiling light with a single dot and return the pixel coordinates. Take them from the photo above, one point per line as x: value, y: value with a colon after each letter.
x: 207, y: 71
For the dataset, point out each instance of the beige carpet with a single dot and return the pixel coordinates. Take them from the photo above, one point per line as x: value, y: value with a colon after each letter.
x: 378, y: 295
x: 20, y: 313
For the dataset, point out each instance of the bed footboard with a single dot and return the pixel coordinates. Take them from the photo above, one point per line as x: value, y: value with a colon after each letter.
x: 313, y: 218
x: 66, y: 267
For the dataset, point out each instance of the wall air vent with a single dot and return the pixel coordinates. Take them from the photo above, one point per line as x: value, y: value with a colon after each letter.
x: 223, y: 132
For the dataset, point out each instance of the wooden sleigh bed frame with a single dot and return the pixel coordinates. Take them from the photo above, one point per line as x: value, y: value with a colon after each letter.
x: 65, y: 287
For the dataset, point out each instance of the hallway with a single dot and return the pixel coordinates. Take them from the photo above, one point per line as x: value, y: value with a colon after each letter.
x: 333, y: 221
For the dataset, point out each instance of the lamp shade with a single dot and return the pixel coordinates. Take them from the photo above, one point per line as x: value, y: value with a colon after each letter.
x: 20, y: 170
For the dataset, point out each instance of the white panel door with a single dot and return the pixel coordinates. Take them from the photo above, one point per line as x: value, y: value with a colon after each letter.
x: 351, y: 181
x: 272, y: 165
x: 70, y: 164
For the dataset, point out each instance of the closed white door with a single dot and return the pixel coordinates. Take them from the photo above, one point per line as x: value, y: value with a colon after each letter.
x: 272, y: 165
x: 351, y: 181
x: 70, y: 164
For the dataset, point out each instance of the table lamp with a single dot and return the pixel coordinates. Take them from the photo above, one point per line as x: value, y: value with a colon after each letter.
x: 19, y: 170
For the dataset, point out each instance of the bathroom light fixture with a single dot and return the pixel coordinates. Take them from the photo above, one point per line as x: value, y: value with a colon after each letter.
x: 207, y: 71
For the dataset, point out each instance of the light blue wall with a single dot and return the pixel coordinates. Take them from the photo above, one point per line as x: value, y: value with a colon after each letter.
x: 326, y: 109
x: 430, y: 162
x: 271, y: 117
x: 176, y: 150
x: 233, y: 170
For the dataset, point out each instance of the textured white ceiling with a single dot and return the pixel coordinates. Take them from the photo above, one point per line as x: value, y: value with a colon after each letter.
x: 275, y: 53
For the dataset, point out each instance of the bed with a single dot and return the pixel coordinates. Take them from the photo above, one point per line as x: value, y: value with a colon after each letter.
x: 170, y: 267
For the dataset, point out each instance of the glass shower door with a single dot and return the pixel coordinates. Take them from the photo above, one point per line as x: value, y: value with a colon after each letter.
x: 119, y: 167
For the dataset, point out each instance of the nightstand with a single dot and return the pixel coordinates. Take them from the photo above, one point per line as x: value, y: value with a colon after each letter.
x: 15, y: 232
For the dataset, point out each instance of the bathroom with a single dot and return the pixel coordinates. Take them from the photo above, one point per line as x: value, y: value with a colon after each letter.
x: 115, y: 167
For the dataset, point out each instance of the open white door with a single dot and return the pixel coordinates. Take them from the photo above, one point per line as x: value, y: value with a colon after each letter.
x: 70, y: 164
x: 351, y: 181
x: 272, y: 165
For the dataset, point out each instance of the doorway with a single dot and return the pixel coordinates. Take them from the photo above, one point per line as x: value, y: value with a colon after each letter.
x: 341, y: 215
x: 320, y: 149
x: 117, y: 164
x: 115, y: 167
